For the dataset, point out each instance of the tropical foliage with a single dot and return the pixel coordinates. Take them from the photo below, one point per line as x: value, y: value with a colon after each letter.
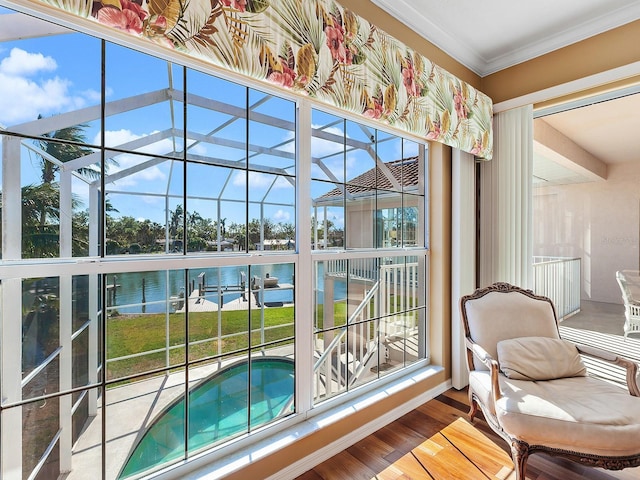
x: 315, y: 48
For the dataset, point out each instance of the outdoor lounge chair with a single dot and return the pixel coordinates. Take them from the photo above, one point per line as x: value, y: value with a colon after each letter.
x: 630, y: 286
x: 533, y: 388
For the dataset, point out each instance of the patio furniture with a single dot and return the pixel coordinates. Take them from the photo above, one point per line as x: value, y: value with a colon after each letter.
x: 629, y: 282
x: 533, y: 387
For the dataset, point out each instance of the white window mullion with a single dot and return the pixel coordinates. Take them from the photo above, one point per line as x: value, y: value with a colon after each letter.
x: 11, y: 298
x: 94, y: 337
x: 304, y: 290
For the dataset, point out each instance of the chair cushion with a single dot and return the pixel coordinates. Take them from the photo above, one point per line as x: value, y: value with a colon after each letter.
x: 499, y: 316
x: 539, y: 358
x: 579, y: 414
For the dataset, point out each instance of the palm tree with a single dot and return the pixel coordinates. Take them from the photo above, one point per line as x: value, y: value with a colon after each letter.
x: 39, y: 239
x: 41, y: 204
x: 68, y: 145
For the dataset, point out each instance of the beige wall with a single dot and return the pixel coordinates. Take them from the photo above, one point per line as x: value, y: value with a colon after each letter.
x: 595, y: 55
x: 598, y: 222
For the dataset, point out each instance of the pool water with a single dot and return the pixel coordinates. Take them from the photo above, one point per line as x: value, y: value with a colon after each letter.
x: 218, y: 408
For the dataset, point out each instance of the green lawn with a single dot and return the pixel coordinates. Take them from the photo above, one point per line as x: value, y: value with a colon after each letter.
x: 130, y: 334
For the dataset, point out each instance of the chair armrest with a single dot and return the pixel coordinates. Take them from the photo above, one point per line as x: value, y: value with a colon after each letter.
x: 491, y: 364
x: 629, y: 365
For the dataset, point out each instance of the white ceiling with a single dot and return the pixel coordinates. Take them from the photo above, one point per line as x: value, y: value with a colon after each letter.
x: 490, y: 35
x: 608, y: 130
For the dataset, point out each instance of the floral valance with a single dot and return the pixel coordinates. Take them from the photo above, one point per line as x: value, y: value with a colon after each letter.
x: 316, y: 48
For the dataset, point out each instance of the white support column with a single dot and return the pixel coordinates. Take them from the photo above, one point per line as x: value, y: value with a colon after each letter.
x: 304, y: 290
x: 11, y: 379
x: 65, y: 374
x: 506, y: 243
x: 463, y: 256
x: 66, y: 215
x: 11, y: 298
x: 94, y: 241
x: 11, y: 200
x: 66, y: 323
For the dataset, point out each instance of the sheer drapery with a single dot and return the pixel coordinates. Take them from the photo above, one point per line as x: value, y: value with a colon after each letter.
x: 506, y: 201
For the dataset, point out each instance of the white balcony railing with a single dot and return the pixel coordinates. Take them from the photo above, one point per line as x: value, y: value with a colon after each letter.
x: 558, y: 278
x: 394, y: 288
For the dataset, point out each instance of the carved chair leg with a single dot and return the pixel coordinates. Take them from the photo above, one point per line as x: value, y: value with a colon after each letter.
x: 473, y: 406
x: 520, y: 455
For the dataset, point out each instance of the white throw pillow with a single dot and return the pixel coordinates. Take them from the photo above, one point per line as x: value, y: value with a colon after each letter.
x: 539, y: 358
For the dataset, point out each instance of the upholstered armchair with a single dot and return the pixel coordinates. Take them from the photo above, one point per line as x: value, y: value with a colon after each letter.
x: 629, y: 283
x: 533, y: 387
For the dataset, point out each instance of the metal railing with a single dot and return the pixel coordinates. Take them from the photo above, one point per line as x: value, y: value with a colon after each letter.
x: 344, y: 360
x: 558, y: 278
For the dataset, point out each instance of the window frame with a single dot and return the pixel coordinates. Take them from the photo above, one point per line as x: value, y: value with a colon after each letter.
x: 302, y: 258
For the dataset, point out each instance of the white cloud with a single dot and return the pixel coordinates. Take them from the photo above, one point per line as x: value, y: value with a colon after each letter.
x: 34, y: 90
x: 116, y: 138
x: 198, y: 149
x: 321, y: 147
x: 282, y: 216
x: 22, y: 63
x: 93, y: 96
x: 239, y: 179
x: 150, y: 174
x: 29, y: 99
x: 256, y: 180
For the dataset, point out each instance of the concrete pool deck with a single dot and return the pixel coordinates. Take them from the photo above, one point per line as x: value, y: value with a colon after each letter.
x: 133, y: 407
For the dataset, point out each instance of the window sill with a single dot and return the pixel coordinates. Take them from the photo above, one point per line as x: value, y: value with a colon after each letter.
x: 244, y: 452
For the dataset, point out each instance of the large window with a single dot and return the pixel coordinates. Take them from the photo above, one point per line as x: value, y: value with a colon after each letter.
x: 154, y: 256
x: 367, y: 198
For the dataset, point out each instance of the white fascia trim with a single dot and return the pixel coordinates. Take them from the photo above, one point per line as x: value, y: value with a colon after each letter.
x: 581, y: 84
x: 215, y: 466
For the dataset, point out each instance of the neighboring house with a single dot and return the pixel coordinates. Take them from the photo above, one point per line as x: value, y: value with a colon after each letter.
x: 392, y: 218
x: 276, y: 244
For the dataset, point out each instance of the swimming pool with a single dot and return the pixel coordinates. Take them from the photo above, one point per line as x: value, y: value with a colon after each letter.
x: 220, y: 406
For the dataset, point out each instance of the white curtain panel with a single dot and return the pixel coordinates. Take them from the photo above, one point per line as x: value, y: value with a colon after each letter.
x: 463, y: 255
x: 506, y: 242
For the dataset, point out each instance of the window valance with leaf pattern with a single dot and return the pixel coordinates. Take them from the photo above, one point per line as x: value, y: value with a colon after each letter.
x: 315, y: 48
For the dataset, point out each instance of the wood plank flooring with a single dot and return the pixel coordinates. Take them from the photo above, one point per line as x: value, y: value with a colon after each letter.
x: 436, y: 441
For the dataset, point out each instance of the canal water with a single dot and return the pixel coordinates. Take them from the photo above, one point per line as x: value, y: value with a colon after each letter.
x: 165, y: 286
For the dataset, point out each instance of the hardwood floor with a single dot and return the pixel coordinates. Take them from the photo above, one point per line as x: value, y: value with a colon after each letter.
x: 436, y: 441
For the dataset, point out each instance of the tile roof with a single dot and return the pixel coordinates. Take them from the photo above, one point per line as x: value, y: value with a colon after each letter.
x: 404, y: 170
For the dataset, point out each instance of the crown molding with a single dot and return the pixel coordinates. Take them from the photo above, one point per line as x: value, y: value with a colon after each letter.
x: 470, y: 57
